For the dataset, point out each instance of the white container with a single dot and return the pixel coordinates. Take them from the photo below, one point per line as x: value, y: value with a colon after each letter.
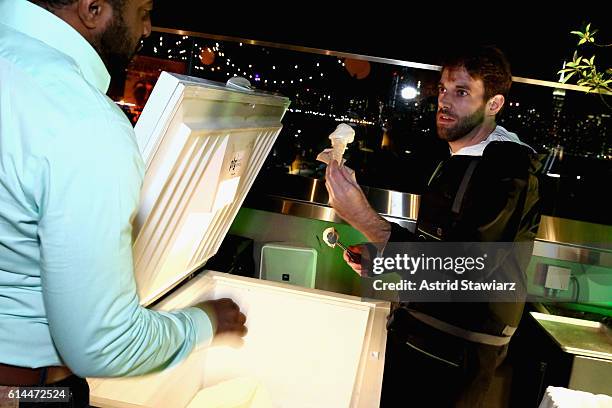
x: 288, y: 263
x: 305, y: 348
x: 204, y: 145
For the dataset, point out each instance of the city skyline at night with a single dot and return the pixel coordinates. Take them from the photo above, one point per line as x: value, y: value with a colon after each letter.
x: 392, y: 109
x: 323, y: 86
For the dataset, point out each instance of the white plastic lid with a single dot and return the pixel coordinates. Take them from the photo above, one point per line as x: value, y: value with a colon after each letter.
x: 203, y: 144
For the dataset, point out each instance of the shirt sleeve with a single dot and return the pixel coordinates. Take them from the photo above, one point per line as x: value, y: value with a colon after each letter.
x: 92, y: 176
x: 400, y: 234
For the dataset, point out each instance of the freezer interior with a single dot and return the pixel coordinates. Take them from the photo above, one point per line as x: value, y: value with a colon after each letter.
x: 304, y: 348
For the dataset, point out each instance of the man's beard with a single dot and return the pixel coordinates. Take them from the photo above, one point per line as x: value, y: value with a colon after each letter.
x: 115, y: 45
x: 462, y: 126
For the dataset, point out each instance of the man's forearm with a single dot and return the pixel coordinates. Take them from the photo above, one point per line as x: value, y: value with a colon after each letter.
x: 375, y: 228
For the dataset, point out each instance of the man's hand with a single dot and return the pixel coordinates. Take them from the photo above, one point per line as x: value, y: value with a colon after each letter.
x: 345, y: 195
x: 356, y: 249
x: 225, y: 317
x: 349, y: 202
x: 364, y: 266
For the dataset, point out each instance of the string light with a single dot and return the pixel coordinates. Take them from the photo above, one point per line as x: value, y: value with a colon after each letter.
x: 262, y: 76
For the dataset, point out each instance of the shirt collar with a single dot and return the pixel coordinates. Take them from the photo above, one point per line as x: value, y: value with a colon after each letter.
x: 44, y: 26
x: 473, y: 150
x: 499, y: 134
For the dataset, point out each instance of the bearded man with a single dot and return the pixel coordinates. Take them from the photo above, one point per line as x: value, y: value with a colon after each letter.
x: 442, y: 354
x: 70, y: 177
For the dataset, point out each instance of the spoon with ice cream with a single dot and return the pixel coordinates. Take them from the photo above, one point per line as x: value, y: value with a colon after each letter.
x: 332, y: 239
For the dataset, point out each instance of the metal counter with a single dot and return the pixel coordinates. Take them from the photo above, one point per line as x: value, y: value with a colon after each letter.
x: 577, y: 336
x: 558, y: 238
x: 589, y: 347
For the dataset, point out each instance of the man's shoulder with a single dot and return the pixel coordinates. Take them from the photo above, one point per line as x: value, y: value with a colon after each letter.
x: 32, y: 56
x: 499, y: 147
x: 54, y: 76
x: 52, y: 98
x: 60, y: 115
x: 509, y: 159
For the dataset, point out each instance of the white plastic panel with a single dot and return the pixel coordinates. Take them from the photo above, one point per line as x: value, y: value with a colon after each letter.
x: 275, y: 258
x: 203, y: 146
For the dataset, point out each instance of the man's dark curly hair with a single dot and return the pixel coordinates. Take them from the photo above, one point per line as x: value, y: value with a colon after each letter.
x: 52, y: 5
x: 486, y: 63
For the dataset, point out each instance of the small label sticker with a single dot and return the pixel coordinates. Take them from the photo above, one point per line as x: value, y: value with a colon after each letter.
x: 235, y: 163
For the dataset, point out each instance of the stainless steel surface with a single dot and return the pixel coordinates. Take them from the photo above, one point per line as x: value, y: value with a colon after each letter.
x: 572, y: 253
x: 310, y: 210
x: 393, y: 203
x: 591, y: 375
x: 293, y: 207
x: 574, y: 241
x: 577, y: 336
x: 556, y: 85
x: 580, y: 233
x: 305, y: 196
x: 561, y: 239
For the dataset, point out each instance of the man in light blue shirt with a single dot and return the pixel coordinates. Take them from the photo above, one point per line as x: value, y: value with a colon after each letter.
x: 70, y: 175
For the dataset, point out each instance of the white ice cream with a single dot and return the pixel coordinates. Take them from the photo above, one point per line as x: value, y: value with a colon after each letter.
x: 343, y: 135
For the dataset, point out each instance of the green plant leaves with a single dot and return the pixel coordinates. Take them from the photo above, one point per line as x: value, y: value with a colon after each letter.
x: 585, y: 68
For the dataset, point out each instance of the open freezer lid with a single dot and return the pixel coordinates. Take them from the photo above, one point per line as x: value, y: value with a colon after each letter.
x: 203, y: 144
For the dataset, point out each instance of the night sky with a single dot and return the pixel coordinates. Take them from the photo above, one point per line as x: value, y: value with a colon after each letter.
x: 536, y: 42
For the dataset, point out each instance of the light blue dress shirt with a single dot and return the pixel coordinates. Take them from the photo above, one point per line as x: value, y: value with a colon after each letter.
x: 70, y: 177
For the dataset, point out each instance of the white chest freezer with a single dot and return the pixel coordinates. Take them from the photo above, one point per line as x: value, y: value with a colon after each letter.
x: 203, y: 144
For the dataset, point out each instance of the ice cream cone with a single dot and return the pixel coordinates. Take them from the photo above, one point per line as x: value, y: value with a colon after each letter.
x: 340, y: 138
x: 338, y: 151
